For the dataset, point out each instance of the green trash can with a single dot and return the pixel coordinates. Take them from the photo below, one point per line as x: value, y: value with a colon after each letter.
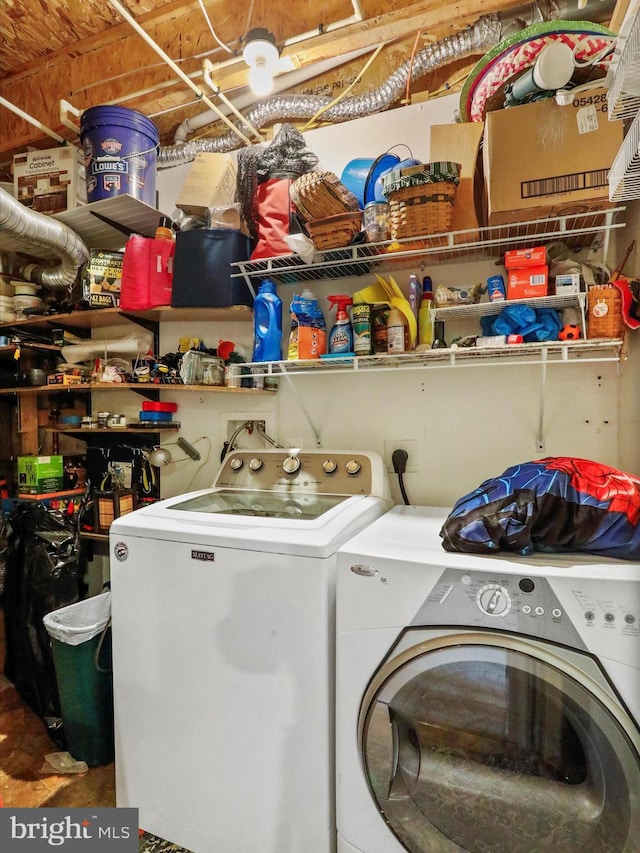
x: 81, y: 643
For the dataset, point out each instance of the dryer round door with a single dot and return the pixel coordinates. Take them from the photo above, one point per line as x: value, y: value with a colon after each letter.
x: 479, y: 741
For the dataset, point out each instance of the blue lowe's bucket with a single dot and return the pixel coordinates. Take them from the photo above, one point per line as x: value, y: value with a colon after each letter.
x: 120, y: 151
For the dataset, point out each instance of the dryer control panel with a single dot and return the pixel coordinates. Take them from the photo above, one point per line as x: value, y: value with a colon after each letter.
x: 578, y: 613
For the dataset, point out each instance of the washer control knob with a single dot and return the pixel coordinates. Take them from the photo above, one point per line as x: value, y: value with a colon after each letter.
x: 236, y: 463
x: 353, y: 466
x: 256, y: 463
x: 291, y: 464
x: 329, y: 466
x: 494, y: 600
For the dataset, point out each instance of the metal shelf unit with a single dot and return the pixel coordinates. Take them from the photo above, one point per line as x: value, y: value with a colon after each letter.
x: 563, y: 352
x: 578, y: 231
x: 623, y: 102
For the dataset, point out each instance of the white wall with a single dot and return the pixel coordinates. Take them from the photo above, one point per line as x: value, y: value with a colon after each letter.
x: 468, y: 423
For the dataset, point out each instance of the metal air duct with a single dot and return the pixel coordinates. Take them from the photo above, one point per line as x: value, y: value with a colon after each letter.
x: 36, y: 231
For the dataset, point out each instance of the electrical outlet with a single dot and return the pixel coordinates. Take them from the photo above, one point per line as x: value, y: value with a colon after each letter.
x: 408, y: 444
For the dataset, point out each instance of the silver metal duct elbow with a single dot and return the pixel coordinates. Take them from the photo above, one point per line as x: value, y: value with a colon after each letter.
x: 36, y: 231
x: 483, y: 34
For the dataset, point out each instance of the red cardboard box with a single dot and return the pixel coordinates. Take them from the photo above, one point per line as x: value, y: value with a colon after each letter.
x: 521, y: 258
x: 528, y: 282
x: 157, y: 406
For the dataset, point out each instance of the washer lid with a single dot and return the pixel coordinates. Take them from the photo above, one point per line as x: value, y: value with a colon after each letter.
x: 260, y: 504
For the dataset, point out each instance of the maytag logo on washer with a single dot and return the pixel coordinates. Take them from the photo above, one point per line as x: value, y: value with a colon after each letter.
x: 207, y: 556
x: 121, y: 551
x: 112, y: 830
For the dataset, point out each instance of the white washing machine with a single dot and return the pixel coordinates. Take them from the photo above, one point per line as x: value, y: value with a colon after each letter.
x: 484, y: 704
x: 223, y: 606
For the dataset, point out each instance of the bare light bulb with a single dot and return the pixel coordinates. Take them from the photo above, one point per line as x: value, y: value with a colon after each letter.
x: 261, y: 78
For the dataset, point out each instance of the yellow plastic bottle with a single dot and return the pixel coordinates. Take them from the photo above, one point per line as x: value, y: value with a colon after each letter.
x: 425, y: 326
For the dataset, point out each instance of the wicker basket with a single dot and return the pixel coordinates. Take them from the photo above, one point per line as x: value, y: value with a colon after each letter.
x: 421, y: 199
x: 335, y: 232
x: 604, y: 318
x: 319, y: 195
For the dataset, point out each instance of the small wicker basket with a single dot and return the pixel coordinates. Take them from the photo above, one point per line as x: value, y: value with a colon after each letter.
x: 335, y: 232
x: 604, y: 319
x: 319, y: 195
x: 421, y: 199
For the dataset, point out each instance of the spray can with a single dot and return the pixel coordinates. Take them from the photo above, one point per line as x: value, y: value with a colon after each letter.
x: 361, y: 321
x: 395, y: 331
x: 341, y: 335
x: 267, y: 323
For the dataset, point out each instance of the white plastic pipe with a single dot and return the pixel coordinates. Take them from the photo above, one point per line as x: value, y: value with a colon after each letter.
x: 32, y: 120
x: 176, y: 68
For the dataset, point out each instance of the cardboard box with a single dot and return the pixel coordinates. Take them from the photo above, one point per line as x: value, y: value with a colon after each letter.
x: 543, y: 160
x: 63, y: 379
x: 102, y: 279
x: 527, y: 282
x: 460, y: 143
x: 51, y: 180
x: 39, y: 474
x: 211, y: 182
x: 518, y: 259
x: 567, y: 283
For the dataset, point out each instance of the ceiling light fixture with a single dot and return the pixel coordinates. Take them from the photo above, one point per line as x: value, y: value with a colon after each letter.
x: 261, y: 55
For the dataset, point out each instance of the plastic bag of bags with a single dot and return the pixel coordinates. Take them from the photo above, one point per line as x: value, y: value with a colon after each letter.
x: 42, y: 574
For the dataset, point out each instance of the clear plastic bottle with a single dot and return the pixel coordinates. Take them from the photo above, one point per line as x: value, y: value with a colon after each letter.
x: 267, y: 323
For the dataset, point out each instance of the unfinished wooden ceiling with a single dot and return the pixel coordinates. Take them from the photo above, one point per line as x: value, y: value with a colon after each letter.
x: 86, y: 53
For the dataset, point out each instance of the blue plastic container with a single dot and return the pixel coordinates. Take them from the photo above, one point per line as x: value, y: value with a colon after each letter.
x: 361, y: 176
x: 267, y: 323
x: 120, y: 153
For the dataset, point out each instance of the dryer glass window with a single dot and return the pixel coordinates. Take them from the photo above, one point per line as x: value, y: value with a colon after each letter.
x: 485, y: 748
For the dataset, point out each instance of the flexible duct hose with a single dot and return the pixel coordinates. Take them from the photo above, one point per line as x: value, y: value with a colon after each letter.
x: 481, y: 35
x: 40, y: 231
x: 484, y: 34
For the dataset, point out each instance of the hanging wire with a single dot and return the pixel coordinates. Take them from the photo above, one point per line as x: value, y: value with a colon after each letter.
x: 201, y: 465
x: 336, y: 100
x: 211, y: 30
x: 407, y: 93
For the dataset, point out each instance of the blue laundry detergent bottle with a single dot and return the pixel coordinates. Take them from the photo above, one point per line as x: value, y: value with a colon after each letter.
x: 267, y: 323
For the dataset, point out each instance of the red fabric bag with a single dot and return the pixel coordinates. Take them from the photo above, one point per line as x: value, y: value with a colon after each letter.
x: 273, y: 212
x: 147, y: 273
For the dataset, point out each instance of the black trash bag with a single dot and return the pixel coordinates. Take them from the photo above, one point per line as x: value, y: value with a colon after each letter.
x: 42, y: 574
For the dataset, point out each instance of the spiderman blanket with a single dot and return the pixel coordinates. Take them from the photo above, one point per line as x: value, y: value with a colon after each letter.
x: 557, y: 504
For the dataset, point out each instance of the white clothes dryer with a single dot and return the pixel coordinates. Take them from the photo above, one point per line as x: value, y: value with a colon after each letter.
x: 484, y: 704
x: 223, y: 604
